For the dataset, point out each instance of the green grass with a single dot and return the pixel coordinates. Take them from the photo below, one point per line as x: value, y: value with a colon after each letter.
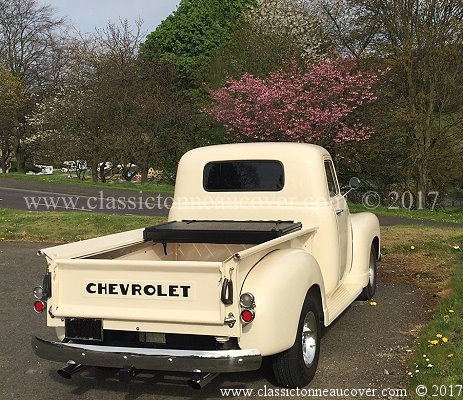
x: 449, y: 214
x: 430, y: 258
x: 438, y: 357
x: 445, y: 365
x: 63, y: 179
x: 56, y: 227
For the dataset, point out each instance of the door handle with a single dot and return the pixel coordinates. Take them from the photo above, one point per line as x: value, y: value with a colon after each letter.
x: 338, y: 212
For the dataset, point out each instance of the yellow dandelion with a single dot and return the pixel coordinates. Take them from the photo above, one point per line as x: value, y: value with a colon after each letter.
x: 412, y: 247
x: 373, y: 303
x: 439, y: 335
x: 434, y: 341
x: 451, y: 311
x: 450, y: 355
x: 445, y: 340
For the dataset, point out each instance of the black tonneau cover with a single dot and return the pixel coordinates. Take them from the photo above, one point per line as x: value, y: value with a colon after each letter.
x: 220, y: 232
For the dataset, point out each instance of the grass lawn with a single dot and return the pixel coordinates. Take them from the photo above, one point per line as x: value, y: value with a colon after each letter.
x: 438, y: 359
x: 56, y: 227
x: 63, y: 179
x: 431, y: 258
x: 449, y: 214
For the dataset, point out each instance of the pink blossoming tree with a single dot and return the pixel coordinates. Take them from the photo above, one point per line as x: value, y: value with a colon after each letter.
x: 310, y: 103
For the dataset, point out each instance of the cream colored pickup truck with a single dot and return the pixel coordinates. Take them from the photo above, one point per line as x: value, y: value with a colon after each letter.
x: 259, y: 254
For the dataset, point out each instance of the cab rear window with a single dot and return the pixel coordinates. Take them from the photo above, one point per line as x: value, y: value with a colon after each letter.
x: 244, y: 176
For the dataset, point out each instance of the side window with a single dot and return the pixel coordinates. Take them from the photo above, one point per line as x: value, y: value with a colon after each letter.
x: 333, y: 186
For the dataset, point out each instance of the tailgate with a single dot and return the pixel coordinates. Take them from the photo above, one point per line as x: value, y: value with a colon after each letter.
x: 160, y: 291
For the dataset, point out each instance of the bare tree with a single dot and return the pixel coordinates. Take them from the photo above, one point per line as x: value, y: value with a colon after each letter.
x: 11, y: 101
x: 113, y: 106
x: 27, y: 50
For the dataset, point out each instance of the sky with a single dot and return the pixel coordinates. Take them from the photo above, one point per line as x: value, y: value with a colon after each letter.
x: 88, y: 14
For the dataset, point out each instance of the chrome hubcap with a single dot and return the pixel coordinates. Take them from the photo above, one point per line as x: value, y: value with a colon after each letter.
x: 309, y: 339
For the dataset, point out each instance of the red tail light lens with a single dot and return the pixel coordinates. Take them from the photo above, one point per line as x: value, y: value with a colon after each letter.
x: 247, y: 316
x: 39, y: 306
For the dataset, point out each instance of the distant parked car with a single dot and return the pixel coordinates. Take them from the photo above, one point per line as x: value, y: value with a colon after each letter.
x: 128, y: 171
x: 108, y: 165
x: 73, y: 166
x: 45, y: 169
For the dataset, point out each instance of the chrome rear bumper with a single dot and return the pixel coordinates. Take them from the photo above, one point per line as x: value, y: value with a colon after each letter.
x: 149, y: 359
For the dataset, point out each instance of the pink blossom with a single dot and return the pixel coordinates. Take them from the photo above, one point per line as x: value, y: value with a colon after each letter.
x: 309, y: 103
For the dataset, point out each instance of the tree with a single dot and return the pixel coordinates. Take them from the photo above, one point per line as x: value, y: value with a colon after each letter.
x: 422, y: 43
x: 115, y: 107
x: 271, y: 33
x: 11, y: 102
x: 293, y: 20
x: 348, y: 26
x: 164, y: 119
x: 193, y: 31
x: 309, y: 103
x: 27, y: 40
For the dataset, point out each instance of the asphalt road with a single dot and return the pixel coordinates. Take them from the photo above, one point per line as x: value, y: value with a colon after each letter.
x: 365, y: 348
x: 40, y: 196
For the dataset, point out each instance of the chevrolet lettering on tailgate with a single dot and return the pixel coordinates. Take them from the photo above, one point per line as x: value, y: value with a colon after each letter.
x: 135, y: 289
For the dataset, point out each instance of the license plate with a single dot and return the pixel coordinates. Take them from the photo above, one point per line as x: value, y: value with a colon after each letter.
x: 149, y: 337
x: 84, y: 329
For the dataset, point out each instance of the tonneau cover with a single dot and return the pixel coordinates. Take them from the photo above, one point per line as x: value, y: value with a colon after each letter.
x: 220, y: 232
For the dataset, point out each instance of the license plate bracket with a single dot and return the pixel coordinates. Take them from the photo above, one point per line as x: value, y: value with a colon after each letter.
x: 84, y: 329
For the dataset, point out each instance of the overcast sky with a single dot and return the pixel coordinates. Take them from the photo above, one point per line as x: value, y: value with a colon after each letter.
x: 88, y: 14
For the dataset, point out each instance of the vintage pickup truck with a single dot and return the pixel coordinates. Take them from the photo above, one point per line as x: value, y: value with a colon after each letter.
x: 259, y: 254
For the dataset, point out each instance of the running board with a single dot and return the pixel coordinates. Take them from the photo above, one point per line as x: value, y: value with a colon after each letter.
x: 342, y: 298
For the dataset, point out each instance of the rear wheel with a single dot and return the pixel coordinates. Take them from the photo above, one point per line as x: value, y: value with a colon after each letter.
x: 296, y: 366
x: 369, y: 291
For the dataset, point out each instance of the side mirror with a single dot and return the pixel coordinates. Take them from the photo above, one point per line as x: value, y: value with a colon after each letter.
x: 354, y: 183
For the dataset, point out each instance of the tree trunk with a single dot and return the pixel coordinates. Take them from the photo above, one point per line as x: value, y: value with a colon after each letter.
x: 21, y: 159
x: 4, y: 165
x: 422, y: 180
x: 102, y: 172
x: 5, y: 161
x: 81, y: 174
x: 94, y: 172
x: 144, y: 174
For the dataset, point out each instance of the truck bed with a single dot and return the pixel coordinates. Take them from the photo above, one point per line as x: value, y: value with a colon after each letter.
x: 163, y: 284
x: 220, y: 232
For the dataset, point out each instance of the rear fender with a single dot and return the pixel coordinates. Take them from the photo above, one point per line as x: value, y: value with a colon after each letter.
x: 279, y: 283
x: 365, y: 232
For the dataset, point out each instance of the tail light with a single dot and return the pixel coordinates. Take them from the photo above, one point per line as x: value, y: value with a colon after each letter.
x: 38, y: 293
x: 247, y: 300
x: 248, y: 304
x: 247, y: 316
x: 39, y: 306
